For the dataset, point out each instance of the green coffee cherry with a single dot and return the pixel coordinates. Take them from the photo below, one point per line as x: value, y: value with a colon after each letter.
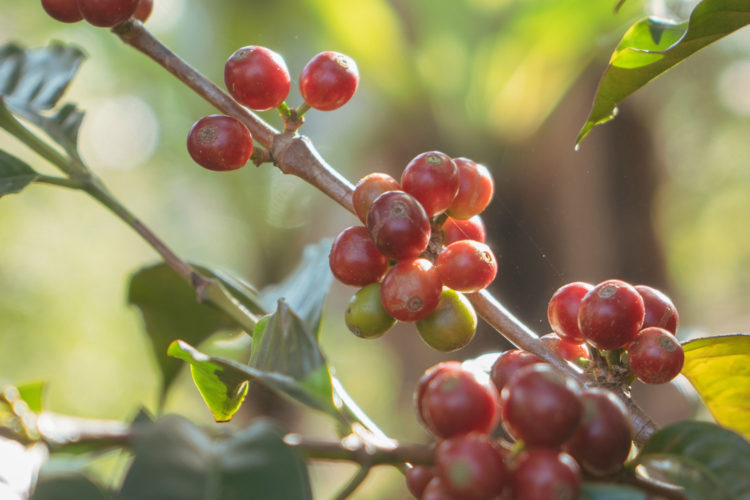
x: 365, y: 315
x: 451, y: 325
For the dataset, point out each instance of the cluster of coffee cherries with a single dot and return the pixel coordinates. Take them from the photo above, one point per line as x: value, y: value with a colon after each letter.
x: 102, y: 13
x: 421, y: 247
x: 614, y: 315
x: 560, y: 430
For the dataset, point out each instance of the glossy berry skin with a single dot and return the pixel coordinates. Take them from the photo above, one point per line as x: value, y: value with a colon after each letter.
x: 65, y: 11
x: 219, y: 143
x: 601, y: 443
x: 399, y: 226
x: 610, y: 314
x: 328, y: 80
x: 467, y: 266
x: 660, y: 311
x: 144, y: 9
x: 411, y: 289
x: 655, y: 356
x: 541, y: 406
x: 365, y: 315
x: 471, y: 466
x: 354, y: 260
x: 562, y: 310
x: 257, y: 77
x: 508, y: 363
x: 370, y: 187
x: 434, y: 490
x: 469, y: 229
x: 569, y: 351
x: 427, y: 377
x: 417, y: 478
x: 475, y: 189
x: 451, y: 325
x: 107, y: 13
x: 432, y: 178
x: 545, y: 474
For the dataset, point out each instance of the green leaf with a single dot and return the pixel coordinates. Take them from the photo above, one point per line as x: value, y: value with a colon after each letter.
x: 652, y: 46
x: 707, y: 460
x: 174, y: 459
x: 609, y: 491
x: 69, y: 487
x: 719, y: 369
x: 14, y: 174
x: 33, y: 394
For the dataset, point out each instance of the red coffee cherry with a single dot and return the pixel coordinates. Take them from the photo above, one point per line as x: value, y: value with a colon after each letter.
x: 451, y: 325
x: 467, y: 266
x: 107, y: 13
x: 428, y: 377
x: 417, y: 478
x: 411, y: 289
x: 610, y: 314
x: 65, y: 11
x: 469, y: 229
x: 144, y: 9
x: 257, y: 77
x: 328, y: 80
x: 660, y: 311
x: 219, y: 143
x: 545, y: 474
x: 354, y: 260
x: 562, y: 310
x: 655, y: 355
x: 370, y: 187
x: 508, y: 363
x: 541, y: 406
x: 398, y: 225
x: 569, y: 351
x: 601, y: 443
x: 436, y: 491
x: 471, y: 466
x: 432, y: 178
x: 475, y: 189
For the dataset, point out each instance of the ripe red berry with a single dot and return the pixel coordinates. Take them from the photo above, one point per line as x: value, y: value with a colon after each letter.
x: 467, y: 266
x: 475, y: 189
x: 257, y: 77
x: 545, y: 474
x: 365, y: 315
x: 566, y: 350
x: 660, y: 311
x: 65, y: 11
x: 417, y: 478
x: 220, y: 143
x: 107, y: 13
x: 508, y: 363
x: 328, y: 80
x: 425, y: 380
x: 398, y: 225
x: 610, y: 314
x: 562, y: 310
x: 370, y: 187
x: 144, y: 10
x: 471, y: 466
x: 432, y: 178
x: 411, y: 289
x: 655, y: 356
x: 354, y: 260
x: 436, y: 491
x: 469, y: 229
x: 451, y: 325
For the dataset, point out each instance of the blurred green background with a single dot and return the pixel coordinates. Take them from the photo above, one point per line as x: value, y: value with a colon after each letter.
x: 660, y: 196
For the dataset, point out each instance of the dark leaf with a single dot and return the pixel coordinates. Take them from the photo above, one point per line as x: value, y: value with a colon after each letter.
x: 608, y: 491
x: 69, y: 487
x: 14, y: 174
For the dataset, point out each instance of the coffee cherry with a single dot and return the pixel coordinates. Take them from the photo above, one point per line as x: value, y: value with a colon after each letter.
x: 427, y: 377
x: 562, y: 310
x: 399, y: 226
x: 144, y: 9
x: 219, y: 143
x: 469, y: 229
x: 610, y: 314
x: 568, y: 351
x: 467, y: 266
x: 411, y: 289
x: 370, y: 187
x: 432, y: 178
x: 655, y: 356
x: 107, y: 13
x: 365, y: 315
x: 328, y: 80
x: 601, y: 443
x: 354, y: 260
x: 508, y: 363
x: 436, y: 491
x: 451, y: 325
x: 541, y: 406
x: 471, y: 466
x: 545, y: 474
x: 660, y: 311
x: 257, y: 77
x: 65, y: 11
x: 417, y: 478
x: 475, y: 189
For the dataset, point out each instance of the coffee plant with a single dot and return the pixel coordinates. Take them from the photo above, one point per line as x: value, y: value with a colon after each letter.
x: 553, y: 418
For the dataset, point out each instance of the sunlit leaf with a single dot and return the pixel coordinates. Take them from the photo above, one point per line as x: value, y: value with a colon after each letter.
x: 719, y: 369
x: 14, y: 174
x: 709, y: 461
x: 608, y: 491
x: 652, y: 46
x: 70, y: 487
x: 32, y: 393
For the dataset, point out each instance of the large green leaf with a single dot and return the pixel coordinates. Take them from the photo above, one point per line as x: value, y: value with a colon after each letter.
x: 70, y: 487
x: 719, y: 369
x: 174, y: 459
x: 14, y: 174
x: 652, y: 46
x: 709, y: 461
x: 609, y: 491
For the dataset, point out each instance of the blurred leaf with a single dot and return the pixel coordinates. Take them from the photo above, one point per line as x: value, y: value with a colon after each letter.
x: 14, y: 174
x: 705, y: 459
x: 69, y: 487
x: 652, y: 46
x: 719, y: 369
x: 33, y: 394
x: 606, y: 491
x: 174, y: 459
x: 241, y: 290
x: 19, y: 466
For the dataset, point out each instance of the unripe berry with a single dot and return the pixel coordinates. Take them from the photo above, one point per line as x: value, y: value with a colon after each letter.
x: 508, y: 363
x: 451, y: 325
x: 65, y: 11
x: 562, y: 310
x: 107, y: 13
x: 257, y: 77
x: 432, y: 178
x: 471, y: 466
x: 467, y: 266
x: 219, y: 143
x: 354, y: 260
x: 399, y: 226
x: 411, y: 289
x: 545, y: 474
x: 610, y: 314
x: 475, y: 189
x: 660, y: 311
x: 368, y: 189
x: 469, y: 229
x: 365, y: 315
x: 655, y: 355
x: 329, y: 80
